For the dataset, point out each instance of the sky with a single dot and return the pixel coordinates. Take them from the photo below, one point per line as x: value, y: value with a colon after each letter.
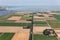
x: 28, y: 2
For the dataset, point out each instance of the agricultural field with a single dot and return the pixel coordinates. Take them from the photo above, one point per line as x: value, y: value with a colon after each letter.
x: 41, y: 19
x: 15, y: 24
x: 6, y: 36
x: 40, y: 23
x: 2, y: 19
x: 54, y: 23
x: 57, y: 16
x: 11, y: 21
x: 26, y: 17
x: 42, y: 37
x: 15, y: 14
x: 25, y: 21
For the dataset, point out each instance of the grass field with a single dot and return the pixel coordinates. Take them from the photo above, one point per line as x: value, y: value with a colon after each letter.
x: 6, y: 36
x: 15, y: 24
x: 16, y: 15
x: 26, y: 17
x: 2, y: 19
x: 40, y: 23
x: 23, y: 16
x: 57, y: 16
x: 42, y: 37
x: 54, y: 23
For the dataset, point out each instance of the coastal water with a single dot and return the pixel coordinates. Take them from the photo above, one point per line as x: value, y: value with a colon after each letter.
x: 5, y: 12
x: 29, y: 9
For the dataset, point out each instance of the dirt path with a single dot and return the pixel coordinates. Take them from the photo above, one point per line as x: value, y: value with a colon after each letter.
x: 22, y: 35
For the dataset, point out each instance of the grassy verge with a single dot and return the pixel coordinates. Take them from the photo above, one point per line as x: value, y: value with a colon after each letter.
x: 42, y: 37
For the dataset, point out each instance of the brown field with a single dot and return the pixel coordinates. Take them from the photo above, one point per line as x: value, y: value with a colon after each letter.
x: 22, y: 35
x: 40, y: 29
x: 8, y: 29
x: 16, y: 18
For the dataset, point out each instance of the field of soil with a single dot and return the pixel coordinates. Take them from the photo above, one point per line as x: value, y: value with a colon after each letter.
x: 14, y: 18
x: 22, y: 35
x: 10, y: 29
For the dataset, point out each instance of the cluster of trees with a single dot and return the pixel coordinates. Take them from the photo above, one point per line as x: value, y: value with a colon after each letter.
x: 48, y: 32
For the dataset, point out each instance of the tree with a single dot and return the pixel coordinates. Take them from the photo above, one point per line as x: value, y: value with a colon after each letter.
x: 49, y: 32
x: 46, y: 32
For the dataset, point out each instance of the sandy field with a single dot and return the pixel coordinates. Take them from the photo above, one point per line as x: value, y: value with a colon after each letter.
x: 40, y: 29
x: 22, y: 35
x: 16, y: 18
x: 12, y: 29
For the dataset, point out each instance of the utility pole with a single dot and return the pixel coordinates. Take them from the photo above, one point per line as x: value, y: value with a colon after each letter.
x: 31, y: 28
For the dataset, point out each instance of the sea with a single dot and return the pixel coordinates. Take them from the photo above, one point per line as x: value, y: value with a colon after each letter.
x: 11, y: 9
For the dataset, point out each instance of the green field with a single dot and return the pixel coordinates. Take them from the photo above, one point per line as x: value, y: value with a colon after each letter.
x: 54, y: 23
x: 3, y: 19
x: 5, y: 22
x: 40, y: 23
x: 57, y: 16
x: 15, y: 24
x: 23, y: 16
x: 6, y: 36
x: 42, y: 37
x: 26, y: 17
